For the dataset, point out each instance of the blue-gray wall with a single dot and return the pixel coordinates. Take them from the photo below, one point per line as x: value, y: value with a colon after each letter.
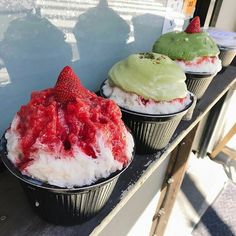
x: 39, y: 37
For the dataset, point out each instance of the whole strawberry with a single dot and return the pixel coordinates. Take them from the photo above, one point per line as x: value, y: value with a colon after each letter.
x: 68, y: 86
x: 194, y: 26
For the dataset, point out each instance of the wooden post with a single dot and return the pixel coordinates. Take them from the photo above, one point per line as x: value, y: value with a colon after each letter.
x: 174, y: 176
x: 221, y: 145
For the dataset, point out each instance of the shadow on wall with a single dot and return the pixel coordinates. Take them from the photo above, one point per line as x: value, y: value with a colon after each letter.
x: 101, y: 36
x: 33, y: 51
x: 147, y: 28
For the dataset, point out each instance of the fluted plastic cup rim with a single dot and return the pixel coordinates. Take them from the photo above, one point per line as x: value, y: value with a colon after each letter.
x: 200, y: 74
x: 227, y: 48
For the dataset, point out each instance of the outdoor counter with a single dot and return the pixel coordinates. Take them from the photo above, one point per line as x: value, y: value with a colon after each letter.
x: 17, y: 218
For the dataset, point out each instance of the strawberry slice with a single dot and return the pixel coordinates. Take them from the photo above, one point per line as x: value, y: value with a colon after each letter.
x: 68, y: 86
x: 194, y: 26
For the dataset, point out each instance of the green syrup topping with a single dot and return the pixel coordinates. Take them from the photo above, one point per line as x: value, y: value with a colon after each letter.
x: 185, y: 46
x: 150, y: 75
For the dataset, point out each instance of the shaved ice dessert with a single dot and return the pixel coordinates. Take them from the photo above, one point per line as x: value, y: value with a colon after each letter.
x: 70, y: 139
x: 195, y: 52
x: 151, y: 92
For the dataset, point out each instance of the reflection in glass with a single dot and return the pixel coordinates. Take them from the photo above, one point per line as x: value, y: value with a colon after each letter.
x: 33, y: 49
x: 101, y: 36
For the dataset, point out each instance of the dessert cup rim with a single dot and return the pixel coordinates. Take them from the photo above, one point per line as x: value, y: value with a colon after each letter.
x: 203, y: 74
x: 226, y: 48
x: 150, y: 115
x: 37, y: 183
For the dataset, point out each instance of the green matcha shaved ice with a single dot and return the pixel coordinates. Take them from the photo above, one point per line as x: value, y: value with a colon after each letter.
x: 150, y: 75
x: 185, y: 46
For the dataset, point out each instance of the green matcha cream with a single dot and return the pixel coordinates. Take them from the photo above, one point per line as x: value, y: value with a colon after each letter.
x: 186, y: 46
x: 150, y: 75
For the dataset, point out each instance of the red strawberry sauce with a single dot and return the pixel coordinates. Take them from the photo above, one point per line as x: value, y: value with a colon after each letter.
x: 147, y: 101
x: 61, y: 126
x: 200, y: 60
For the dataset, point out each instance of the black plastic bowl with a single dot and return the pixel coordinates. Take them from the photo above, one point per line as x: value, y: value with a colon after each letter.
x: 226, y: 55
x: 151, y: 132
x: 63, y: 206
x: 197, y: 83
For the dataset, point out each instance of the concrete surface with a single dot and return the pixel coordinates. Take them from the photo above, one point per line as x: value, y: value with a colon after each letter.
x: 202, y: 184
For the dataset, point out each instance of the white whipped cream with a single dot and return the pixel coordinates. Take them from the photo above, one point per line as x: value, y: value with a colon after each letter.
x: 132, y: 101
x: 67, y: 171
x: 205, y: 66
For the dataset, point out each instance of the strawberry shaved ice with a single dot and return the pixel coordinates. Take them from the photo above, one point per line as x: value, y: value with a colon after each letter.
x: 68, y: 136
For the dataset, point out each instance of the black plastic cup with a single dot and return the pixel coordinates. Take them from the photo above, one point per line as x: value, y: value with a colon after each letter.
x: 197, y: 83
x: 226, y: 55
x: 63, y: 206
x: 152, y: 132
